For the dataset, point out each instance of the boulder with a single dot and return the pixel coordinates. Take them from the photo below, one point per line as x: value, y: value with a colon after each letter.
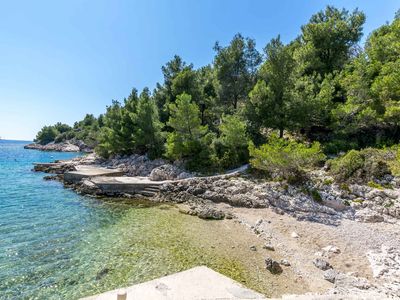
x: 322, y: 264
x: 165, y: 172
x: 330, y: 275
x: 368, y: 216
x: 205, y: 212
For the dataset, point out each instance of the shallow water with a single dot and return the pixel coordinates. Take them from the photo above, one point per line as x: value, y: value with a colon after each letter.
x: 55, y: 244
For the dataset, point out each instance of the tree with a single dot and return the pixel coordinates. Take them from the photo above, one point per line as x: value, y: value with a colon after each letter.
x: 111, y: 139
x: 236, y: 67
x: 61, y: 128
x: 231, y: 148
x: 327, y: 40
x: 163, y: 93
x: 149, y: 138
x: 46, y: 135
x: 326, y: 45
x: 271, y: 101
x: 189, y: 140
x: 370, y: 115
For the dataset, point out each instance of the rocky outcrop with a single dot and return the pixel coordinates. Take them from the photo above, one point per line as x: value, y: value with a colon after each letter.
x: 241, y: 192
x: 319, y: 200
x: 141, y: 165
x: 168, y: 172
x: 69, y: 146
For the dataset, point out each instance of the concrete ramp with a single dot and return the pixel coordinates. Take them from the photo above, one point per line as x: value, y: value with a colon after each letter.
x: 200, y: 283
x: 86, y: 171
x: 129, y: 185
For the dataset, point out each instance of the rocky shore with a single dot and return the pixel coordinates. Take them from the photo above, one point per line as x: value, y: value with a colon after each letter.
x: 323, y: 227
x: 68, y: 146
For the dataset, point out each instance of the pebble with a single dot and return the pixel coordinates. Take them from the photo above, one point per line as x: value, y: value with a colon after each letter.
x: 269, y: 247
x: 294, y: 235
x: 322, y: 264
x: 285, y: 262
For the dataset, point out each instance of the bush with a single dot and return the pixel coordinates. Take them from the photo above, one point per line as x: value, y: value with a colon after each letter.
x: 360, y: 166
x: 286, y: 159
x: 336, y: 146
x: 46, y: 135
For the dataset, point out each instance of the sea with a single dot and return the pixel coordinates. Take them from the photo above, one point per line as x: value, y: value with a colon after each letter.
x: 56, y: 244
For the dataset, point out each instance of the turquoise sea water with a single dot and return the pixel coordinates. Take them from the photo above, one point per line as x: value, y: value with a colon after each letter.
x: 56, y: 244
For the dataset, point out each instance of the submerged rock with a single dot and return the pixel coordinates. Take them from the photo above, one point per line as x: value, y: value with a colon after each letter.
x: 102, y: 273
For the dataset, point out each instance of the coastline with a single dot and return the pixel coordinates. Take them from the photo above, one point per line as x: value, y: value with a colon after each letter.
x: 305, y: 229
x: 68, y: 146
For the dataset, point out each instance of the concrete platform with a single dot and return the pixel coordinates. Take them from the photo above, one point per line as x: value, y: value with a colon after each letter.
x: 194, y: 284
x: 129, y: 185
x: 86, y: 171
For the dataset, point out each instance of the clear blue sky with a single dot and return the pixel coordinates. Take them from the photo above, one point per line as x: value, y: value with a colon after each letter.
x: 62, y: 59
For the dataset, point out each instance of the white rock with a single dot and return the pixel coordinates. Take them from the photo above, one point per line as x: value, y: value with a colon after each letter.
x: 331, y: 249
x: 294, y: 235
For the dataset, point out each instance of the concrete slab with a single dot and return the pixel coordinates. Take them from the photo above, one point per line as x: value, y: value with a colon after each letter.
x: 126, y: 180
x: 194, y: 284
x: 86, y: 171
x: 128, y: 185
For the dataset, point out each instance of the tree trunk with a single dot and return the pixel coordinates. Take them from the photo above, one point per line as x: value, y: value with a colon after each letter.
x: 280, y: 132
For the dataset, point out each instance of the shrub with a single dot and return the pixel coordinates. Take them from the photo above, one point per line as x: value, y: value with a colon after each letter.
x: 360, y: 166
x: 315, y: 195
x: 286, y: 159
x: 46, y: 135
x: 375, y: 185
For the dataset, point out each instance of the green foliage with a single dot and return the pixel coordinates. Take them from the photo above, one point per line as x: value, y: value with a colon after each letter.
x: 327, y: 39
x: 286, y: 159
x: 189, y: 140
x: 46, y: 135
x: 236, y: 67
x: 231, y: 148
x: 62, y: 128
x: 132, y: 128
x: 360, y: 166
x: 149, y: 138
x: 86, y: 131
x: 345, y: 187
x: 322, y: 87
x: 271, y: 104
x: 370, y: 116
x: 316, y: 195
x: 375, y: 185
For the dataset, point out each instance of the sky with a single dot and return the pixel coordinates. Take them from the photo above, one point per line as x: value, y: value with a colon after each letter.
x: 62, y: 59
